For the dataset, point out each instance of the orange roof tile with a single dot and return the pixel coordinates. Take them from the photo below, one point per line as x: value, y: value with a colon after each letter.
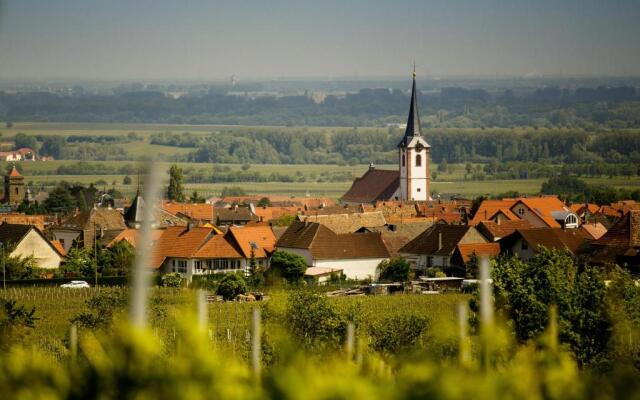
x: 180, y: 242
x: 595, y: 230
x: 479, y: 249
x: 489, y: 208
x: 269, y: 213
x: 218, y: 247
x: 543, y: 207
x: 132, y: 236
x: 261, y: 235
x: 199, y: 211
x: 58, y: 246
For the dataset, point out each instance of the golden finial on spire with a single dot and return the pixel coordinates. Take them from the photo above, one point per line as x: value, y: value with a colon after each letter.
x: 414, y: 69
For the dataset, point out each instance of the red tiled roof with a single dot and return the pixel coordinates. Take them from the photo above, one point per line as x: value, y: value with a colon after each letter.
x: 543, y: 207
x: 132, y: 235
x: 479, y: 249
x: 489, y: 208
x: 180, y: 242
x: 261, y: 235
x: 595, y: 230
x: 495, y: 231
x: 325, y: 244
x: 375, y: 184
x: 198, y: 211
x: 428, y: 242
x: 218, y: 247
x: 269, y: 213
x: 554, y: 238
x: 58, y: 246
x: 625, y: 233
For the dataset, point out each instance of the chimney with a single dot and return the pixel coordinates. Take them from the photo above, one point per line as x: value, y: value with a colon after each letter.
x: 190, y: 226
x: 371, y: 166
x: 440, y: 240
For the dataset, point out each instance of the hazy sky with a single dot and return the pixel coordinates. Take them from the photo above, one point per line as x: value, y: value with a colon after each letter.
x: 204, y: 40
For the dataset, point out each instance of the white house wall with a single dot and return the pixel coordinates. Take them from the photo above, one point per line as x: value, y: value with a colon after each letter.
x: 35, y: 245
x: 361, y: 268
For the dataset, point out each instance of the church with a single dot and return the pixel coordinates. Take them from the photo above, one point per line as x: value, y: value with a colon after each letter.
x: 411, y: 182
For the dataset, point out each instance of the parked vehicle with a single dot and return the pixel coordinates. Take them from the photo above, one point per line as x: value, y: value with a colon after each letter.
x: 76, y: 285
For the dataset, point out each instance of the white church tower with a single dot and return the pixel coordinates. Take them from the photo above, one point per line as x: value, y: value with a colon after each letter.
x: 413, y: 156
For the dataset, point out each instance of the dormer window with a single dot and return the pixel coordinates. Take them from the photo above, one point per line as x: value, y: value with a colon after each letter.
x: 521, y: 212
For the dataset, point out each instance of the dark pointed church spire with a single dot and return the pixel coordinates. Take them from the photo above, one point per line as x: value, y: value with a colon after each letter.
x: 413, y: 122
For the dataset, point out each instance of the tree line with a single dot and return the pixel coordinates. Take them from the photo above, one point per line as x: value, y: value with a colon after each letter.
x: 615, y: 107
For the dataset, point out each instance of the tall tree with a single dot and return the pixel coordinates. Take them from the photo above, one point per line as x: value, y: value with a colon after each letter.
x: 175, y: 192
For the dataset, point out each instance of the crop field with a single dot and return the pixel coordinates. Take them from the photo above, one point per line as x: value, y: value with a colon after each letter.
x: 229, y: 322
x: 312, y: 179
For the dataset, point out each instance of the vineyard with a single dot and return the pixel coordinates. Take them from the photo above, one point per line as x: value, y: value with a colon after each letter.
x: 300, y: 343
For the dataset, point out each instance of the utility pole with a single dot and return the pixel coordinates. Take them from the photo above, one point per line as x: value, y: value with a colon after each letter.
x: 95, y: 253
x: 4, y: 268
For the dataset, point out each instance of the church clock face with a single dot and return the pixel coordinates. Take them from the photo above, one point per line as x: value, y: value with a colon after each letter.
x: 419, y: 147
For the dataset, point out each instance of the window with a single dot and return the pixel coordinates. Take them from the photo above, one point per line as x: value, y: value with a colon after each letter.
x: 403, y: 162
x: 61, y: 241
x: 418, y: 160
x: 521, y: 211
x: 524, y: 245
x: 180, y: 266
x: 419, y: 190
x: 571, y: 220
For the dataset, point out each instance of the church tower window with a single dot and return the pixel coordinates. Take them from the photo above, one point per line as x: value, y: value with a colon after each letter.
x: 418, y: 160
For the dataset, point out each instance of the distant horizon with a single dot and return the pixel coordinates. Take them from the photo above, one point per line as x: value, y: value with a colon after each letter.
x: 310, y: 78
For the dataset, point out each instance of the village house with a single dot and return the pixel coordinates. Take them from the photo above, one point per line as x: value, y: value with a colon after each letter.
x: 102, y: 224
x: 23, y: 153
x: 464, y: 253
x: 202, y: 250
x: 498, y: 229
x: 200, y: 212
x: 347, y: 223
x: 134, y: 215
x: 621, y: 243
x: 29, y: 241
x: 584, y: 210
x: 356, y: 254
x: 39, y: 221
x: 434, y: 247
x: 544, y: 211
x: 525, y: 243
x: 235, y: 215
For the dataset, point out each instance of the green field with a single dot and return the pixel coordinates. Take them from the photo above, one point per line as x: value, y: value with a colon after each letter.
x: 315, y: 180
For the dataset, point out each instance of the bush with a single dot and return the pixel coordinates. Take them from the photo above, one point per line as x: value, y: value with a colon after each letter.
x: 312, y: 320
x: 291, y: 266
x: 397, y: 332
x: 172, y: 280
x: 101, y: 308
x: 395, y: 270
x: 231, y: 286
